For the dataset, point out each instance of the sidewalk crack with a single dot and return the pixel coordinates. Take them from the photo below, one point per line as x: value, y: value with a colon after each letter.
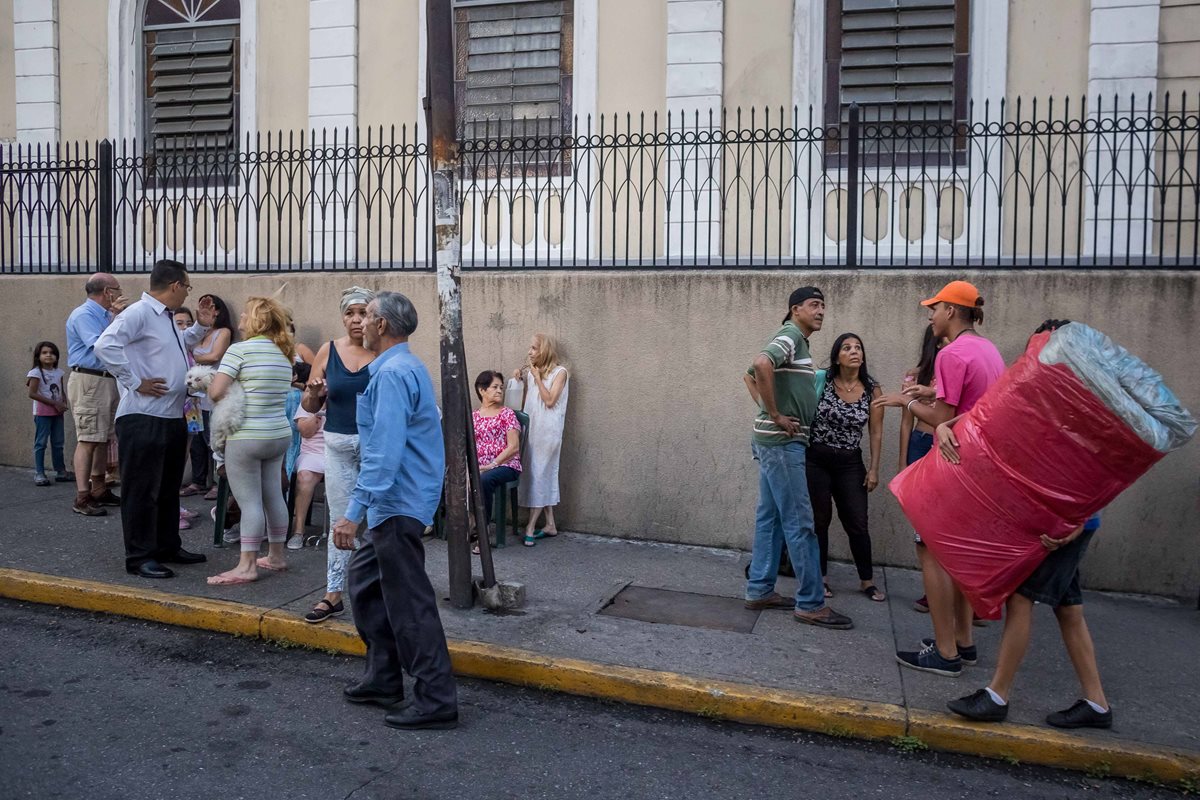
x: 896, y: 644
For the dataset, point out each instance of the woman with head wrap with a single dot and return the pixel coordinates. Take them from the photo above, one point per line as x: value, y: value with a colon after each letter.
x: 338, y: 376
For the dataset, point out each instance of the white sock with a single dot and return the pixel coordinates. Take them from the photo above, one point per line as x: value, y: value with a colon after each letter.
x: 1096, y: 708
x: 997, y: 699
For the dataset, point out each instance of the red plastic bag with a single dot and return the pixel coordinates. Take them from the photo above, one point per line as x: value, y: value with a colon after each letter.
x: 1039, y: 455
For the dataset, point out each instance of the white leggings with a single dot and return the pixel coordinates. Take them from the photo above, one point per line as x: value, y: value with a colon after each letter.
x: 255, y: 467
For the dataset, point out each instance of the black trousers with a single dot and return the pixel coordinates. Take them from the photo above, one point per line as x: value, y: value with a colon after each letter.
x: 836, y: 476
x: 492, y: 480
x: 395, y: 611
x: 152, y: 452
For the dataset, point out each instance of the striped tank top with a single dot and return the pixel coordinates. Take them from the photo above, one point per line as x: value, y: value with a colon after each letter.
x: 266, y: 376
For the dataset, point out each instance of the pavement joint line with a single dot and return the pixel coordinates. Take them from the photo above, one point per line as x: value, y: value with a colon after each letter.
x: 711, y: 699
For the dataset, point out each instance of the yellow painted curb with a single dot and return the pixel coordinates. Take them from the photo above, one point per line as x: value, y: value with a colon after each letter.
x: 147, y: 604
x: 713, y: 699
x: 331, y: 636
x: 1053, y: 748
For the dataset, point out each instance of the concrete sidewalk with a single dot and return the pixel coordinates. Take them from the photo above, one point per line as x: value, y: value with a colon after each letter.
x: 779, y: 672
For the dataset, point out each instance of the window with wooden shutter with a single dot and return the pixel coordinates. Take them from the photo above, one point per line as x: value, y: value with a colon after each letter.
x: 513, y: 77
x: 901, y: 61
x: 191, y: 74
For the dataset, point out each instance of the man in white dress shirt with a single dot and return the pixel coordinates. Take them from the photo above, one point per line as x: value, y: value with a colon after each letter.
x: 147, y: 354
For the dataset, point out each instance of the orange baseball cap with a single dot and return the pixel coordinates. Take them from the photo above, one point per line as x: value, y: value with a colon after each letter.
x: 959, y: 293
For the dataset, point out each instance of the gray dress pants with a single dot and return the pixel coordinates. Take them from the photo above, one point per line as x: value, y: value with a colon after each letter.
x: 395, y: 611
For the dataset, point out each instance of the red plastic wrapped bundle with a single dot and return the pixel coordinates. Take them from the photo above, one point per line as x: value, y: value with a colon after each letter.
x: 1040, y: 453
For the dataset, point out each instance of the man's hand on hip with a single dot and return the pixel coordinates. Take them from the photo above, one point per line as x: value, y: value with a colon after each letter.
x: 153, y: 387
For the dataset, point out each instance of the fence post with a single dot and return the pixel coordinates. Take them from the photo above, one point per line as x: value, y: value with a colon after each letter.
x: 853, y: 194
x: 105, y: 223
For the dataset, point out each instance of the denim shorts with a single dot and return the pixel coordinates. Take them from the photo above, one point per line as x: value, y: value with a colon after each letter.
x: 1056, y: 580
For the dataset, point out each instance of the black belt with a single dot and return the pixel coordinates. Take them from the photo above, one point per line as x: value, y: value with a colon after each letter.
x: 99, y: 373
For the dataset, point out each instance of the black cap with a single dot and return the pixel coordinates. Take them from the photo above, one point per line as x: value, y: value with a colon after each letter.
x: 800, y: 295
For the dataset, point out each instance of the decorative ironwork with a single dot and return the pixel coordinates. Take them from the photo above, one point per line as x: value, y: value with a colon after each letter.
x: 1039, y: 184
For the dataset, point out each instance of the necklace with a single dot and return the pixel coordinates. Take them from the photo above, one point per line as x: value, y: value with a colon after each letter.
x: 844, y: 388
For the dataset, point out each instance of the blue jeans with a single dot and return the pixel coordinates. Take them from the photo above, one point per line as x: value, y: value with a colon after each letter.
x: 48, y: 429
x: 784, y: 515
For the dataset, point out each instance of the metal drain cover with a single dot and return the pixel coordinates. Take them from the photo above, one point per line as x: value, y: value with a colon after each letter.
x: 682, y: 608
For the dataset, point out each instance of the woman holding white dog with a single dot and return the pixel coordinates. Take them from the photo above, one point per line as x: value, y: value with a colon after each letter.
x: 339, y: 376
x: 262, y: 365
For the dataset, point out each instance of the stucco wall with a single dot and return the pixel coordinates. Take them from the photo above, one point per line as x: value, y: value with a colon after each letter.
x: 632, y: 61
x: 388, y: 35
x: 281, y: 68
x: 83, y: 69
x: 1179, y: 50
x: 8, y: 73
x: 758, y: 55
x: 658, y: 422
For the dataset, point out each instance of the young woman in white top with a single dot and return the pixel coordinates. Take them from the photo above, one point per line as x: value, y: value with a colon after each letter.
x: 546, y: 392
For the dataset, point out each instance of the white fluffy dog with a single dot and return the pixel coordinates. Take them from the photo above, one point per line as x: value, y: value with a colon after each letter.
x: 228, y: 415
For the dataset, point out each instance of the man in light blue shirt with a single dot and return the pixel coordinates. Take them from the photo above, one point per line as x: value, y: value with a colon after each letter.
x: 398, y: 490
x: 92, y: 393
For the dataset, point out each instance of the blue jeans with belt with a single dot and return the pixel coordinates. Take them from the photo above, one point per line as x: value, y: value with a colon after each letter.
x: 785, y: 516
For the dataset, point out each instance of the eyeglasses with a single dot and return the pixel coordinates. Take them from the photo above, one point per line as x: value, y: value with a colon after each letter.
x: 186, y: 286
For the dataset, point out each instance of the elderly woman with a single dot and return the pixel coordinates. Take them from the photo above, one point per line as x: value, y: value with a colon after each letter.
x: 497, y: 438
x: 262, y: 364
x: 339, y: 375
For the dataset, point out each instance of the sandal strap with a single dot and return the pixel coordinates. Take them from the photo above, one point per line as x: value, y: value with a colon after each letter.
x: 324, y: 602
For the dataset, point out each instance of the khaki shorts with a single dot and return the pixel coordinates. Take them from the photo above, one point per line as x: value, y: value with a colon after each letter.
x: 93, y: 402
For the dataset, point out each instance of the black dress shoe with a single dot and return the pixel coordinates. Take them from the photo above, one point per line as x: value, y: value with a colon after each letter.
x: 150, y: 569
x: 370, y: 696
x: 410, y: 720
x: 182, y: 556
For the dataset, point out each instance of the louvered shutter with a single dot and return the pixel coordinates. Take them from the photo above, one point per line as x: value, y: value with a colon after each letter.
x: 191, y: 91
x: 898, y: 59
x: 514, y: 68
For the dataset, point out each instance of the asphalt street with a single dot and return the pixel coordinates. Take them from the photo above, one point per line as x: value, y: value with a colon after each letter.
x: 102, y: 707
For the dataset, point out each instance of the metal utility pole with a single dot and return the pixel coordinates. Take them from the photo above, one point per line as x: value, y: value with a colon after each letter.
x: 456, y: 409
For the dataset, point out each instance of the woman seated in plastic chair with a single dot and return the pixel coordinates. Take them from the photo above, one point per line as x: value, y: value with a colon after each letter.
x: 497, y: 439
x: 310, y: 470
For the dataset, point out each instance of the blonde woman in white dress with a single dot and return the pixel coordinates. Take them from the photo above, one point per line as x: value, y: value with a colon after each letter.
x: 546, y: 390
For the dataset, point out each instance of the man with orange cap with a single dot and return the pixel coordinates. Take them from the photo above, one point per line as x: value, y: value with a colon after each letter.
x: 965, y: 369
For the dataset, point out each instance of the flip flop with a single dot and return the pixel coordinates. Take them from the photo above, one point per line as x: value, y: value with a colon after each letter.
x: 828, y: 591
x: 530, y: 541
x: 551, y: 534
x: 227, y: 580
x: 539, y: 534
x: 873, y: 592
x: 262, y: 563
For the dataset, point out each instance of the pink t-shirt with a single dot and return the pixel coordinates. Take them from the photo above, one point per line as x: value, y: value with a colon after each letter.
x: 491, y: 436
x: 50, y: 383
x: 965, y: 369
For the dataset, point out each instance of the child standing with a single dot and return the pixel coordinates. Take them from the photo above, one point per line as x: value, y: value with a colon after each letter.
x: 45, y: 382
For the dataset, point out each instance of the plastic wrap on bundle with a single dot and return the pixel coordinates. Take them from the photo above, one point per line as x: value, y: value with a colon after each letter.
x: 1040, y: 453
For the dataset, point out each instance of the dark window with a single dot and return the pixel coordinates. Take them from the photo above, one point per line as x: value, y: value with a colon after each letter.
x: 191, y: 79
x: 904, y: 62
x: 513, y: 74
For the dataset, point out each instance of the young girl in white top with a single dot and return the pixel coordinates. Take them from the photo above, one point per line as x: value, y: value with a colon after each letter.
x: 45, y: 383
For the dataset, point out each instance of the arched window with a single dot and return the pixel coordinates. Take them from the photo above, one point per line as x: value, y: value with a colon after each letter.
x: 190, y: 76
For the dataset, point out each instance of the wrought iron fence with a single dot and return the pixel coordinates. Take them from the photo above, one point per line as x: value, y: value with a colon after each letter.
x: 1022, y: 184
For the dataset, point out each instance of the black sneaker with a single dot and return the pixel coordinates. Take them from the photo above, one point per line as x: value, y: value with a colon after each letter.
x: 1081, y: 715
x: 969, y: 655
x: 930, y: 660
x: 980, y: 707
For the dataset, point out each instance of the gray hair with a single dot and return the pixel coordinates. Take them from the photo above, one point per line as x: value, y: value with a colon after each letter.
x: 97, y: 283
x: 398, y: 311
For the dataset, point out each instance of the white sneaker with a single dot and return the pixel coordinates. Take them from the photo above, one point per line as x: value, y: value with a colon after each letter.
x: 295, y: 542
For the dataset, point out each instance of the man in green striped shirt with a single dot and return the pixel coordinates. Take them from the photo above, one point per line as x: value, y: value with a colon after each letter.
x: 782, y: 382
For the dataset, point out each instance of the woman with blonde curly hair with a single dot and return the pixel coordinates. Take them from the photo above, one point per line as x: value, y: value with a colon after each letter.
x: 545, y: 403
x: 262, y: 364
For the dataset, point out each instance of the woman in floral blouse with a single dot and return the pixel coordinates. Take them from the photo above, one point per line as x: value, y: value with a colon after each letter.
x: 497, y: 437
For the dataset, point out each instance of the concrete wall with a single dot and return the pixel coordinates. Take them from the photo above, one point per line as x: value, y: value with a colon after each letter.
x: 282, y: 67
x: 758, y: 55
x: 1179, y: 50
x: 8, y: 73
x: 658, y: 422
